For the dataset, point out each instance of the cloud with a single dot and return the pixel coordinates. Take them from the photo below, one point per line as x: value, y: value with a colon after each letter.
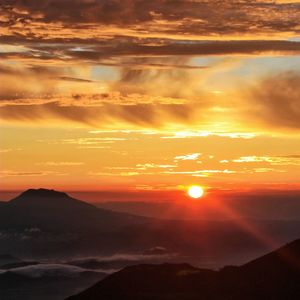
x: 6, y: 150
x: 49, y: 270
x: 293, y: 160
x: 265, y: 170
x: 121, y: 174
x: 158, y: 53
x: 19, y: 82
x: 149, y: 46
x: 144, y: 99
x: 142, y: 53
x: 60, y: 18
x: 202, y: 173
x: 276, y: 100
x: 192, y: 156
x: 138, y: 169
x: 141, y: 97
x: 119, y: 261
x: 202, y: 133
x: 126, y: 257
x: 186, y: 83
x: 154, y: 166
x: 61, y: 163
x: 103, y: 31
x: 153, y: 115
x: 34, y: 82
x: 74, y: 79
x: 9, y: 173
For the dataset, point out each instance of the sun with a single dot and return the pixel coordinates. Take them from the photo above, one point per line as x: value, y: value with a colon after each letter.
x: 195, y: 191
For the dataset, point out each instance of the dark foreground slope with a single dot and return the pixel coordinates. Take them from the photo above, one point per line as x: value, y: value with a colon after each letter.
x: 273, y: 276
x: 44, y: 286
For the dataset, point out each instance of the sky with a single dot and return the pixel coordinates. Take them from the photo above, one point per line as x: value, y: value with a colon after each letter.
x: 128, y: 95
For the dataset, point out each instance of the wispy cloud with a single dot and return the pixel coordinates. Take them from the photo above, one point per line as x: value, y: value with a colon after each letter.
x: 276, y: 100
x: 6, y: 150
x: 201, y: 133
x: 191, y: 156
x: 61, y: 163
x: 272, y: 160
x: 50, y: 270
x: 201, y: 173
x: 154, y: 166
x: 8, y: 173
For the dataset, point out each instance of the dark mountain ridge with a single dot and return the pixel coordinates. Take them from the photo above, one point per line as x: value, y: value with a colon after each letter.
x: 274, y: 276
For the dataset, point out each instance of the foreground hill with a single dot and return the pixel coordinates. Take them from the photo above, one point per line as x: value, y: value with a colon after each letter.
x: 273, y: 276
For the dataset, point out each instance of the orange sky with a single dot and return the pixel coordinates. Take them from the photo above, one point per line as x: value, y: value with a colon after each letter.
x: 149, y: 95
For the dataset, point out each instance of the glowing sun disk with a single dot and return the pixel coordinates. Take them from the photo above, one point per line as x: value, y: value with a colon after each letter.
x: 195, y: 191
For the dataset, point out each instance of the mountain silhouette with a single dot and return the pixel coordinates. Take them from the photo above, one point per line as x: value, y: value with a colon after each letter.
x: 50, y: 223
x: 47, y: 223
x: 45, y: 197
x: 274, y: 276
x: 51, y: 210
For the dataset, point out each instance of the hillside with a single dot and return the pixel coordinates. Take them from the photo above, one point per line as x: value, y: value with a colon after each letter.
x: 273, y: 276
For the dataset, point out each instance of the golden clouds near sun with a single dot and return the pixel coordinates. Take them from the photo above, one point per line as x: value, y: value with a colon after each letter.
x: 195, y: 191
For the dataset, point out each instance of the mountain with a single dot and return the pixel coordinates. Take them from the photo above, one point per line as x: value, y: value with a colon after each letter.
x: 49, y: 226
x: 48, y: 199
x: 52, y: 210
x: 44, y: 223
x: 274, y: 276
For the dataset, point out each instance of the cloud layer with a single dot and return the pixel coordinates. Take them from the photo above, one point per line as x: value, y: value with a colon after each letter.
x: 100, y: 62
x: 143, y: 98
x: 143, y: 18
x: 277, y: 100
